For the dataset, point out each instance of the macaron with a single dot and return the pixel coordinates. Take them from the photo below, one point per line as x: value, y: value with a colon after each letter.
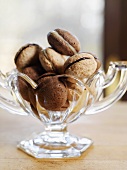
x: 33, y: 72
x: 52, y: 93
x: 81, y: 65
x: 27, y: 55
x: 63, y: 42
x: 52, y: 61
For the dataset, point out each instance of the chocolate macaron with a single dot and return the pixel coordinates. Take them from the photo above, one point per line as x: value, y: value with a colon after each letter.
x: 52, y: 93
x: 27, y: 55
x: 52, y: 61
x: 33, y: 72
x: 81, y: 65
x: 63, y: 42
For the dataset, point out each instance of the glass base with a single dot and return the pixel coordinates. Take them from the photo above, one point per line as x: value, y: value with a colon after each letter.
x: 55, y: 145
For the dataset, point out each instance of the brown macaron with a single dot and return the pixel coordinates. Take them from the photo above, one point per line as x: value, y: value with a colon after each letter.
x: 27, y: 55
x: 48, y: 74
x: 23, y: 87
x: 52, y: 93
x: 33, y: 72
x: 52, y: 61
x: 81, y: 65
x: 63, y: 42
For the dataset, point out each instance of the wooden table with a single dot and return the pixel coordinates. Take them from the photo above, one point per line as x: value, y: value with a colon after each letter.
x: 107, y: 129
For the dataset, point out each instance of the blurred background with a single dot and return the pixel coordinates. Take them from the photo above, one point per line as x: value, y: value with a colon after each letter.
x: 28, y: 21
x: 100, y: 26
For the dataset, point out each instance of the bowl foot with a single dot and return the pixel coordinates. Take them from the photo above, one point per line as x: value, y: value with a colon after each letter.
x: 64, y: 146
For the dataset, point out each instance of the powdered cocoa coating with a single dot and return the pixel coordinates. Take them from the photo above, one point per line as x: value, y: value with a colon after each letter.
x: 52, y: 93
x: 63, y: 42
x: 27, y: 55
x: 81, y: 65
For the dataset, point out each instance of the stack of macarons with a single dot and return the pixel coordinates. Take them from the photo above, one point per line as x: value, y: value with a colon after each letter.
x: 45, y: 65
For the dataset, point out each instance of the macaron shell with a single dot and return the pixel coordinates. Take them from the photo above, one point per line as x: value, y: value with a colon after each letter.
x: 52, y: 61
x: 61, y: 45
x: 27, y: 56
x: 56, y: 59
x: 34, y: 72
x: 52, y: 94
x: 24, y: 88
x: 71, y: 39
x: 97, y: 60
x: 80, y: 65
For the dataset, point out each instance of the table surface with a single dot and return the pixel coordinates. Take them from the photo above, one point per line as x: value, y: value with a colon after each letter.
x: 107, y: 129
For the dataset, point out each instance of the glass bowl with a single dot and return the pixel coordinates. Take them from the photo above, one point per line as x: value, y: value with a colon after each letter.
x: 82, y: 97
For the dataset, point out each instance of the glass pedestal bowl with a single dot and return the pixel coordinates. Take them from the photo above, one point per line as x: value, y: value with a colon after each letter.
x: 83, y: 97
